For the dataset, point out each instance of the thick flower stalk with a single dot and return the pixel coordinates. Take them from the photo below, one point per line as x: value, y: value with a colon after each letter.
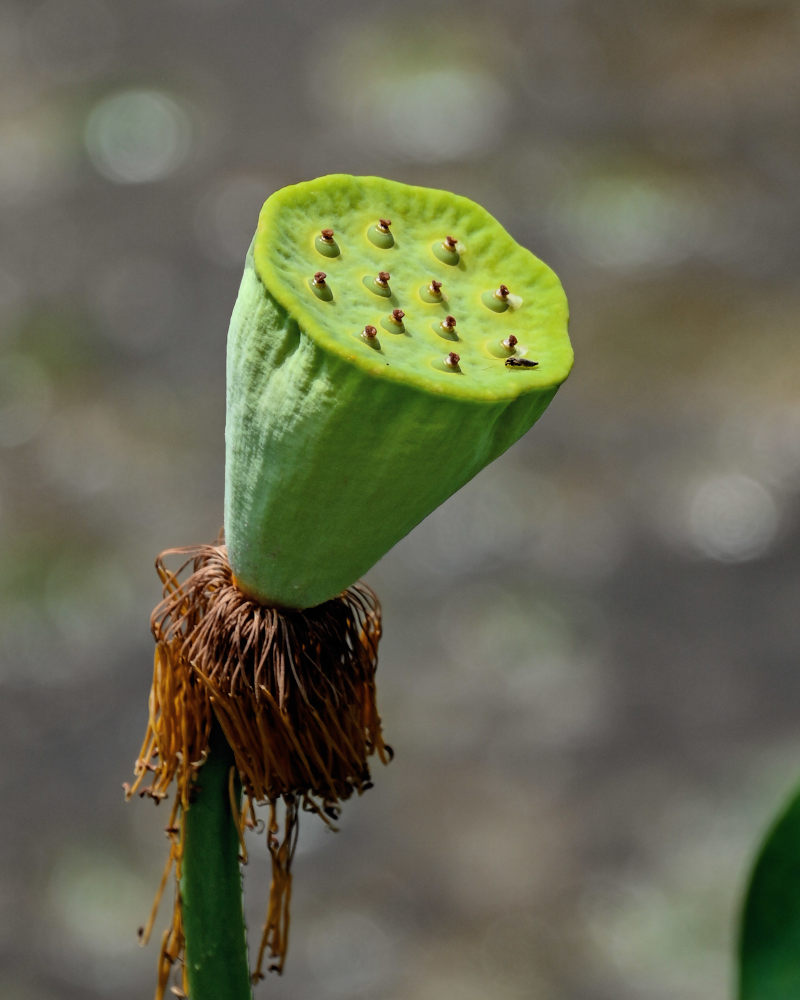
x: 387, y: 343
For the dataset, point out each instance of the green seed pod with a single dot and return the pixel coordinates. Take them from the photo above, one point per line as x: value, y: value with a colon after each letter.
x: 337, y: 443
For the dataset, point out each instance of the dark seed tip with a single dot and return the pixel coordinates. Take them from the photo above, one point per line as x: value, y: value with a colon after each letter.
x: 327, y: 235
x: 383, y: 225
x: 397, y: 314
x: 450, y: 242
x: 435, y: 287
x: 510, y: 342
x: 449, y: 322
x: 319, y: 277
x: 452, y: 359
x: 369, y: 332
x: 502, y: 292
x: 383, y: 277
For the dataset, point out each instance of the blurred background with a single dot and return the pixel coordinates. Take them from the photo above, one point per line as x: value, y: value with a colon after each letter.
x: 590, y: 665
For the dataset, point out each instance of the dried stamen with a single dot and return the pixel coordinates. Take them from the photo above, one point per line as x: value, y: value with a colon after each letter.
x: 319, y: 278
x: 383, y: 279
x: 326, y: 235
x: 452, y: 360
x: 294, y: 696
x: 435, y: 288
x: 383, y: 225
x: 510, y: 342
x: 397, y: 316
x: 450, y: 243
x: 448, y: 324
x: 502, y: 293
x: 369, y: 333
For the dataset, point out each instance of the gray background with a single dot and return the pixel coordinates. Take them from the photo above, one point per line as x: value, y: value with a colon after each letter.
x: 589, y: 670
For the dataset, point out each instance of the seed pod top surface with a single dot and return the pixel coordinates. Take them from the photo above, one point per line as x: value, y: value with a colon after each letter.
x: 435, y: 236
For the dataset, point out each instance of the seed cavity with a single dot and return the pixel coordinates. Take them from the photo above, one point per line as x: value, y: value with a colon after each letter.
x: 497, y: 300
x: 370, y: 337
x: 447, y: 250
x: 394, y: 321
x: 431, y: 292
x: 447, y: 328
x: 320, y: 287
x: 325, y: 243
x: 379, y: 284
x: 381, y: 234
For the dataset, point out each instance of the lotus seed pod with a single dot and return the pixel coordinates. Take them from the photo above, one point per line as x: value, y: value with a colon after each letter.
x: 338, y: 442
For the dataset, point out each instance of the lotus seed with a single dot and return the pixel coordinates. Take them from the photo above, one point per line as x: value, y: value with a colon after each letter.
x: 380, y: 234
x: 320, y: 287
x: 325, y: 244
x: 447, y: 250
x: 431, y: 292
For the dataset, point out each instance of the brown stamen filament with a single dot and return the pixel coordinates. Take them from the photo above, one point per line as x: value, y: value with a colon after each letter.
x: 293, y: 694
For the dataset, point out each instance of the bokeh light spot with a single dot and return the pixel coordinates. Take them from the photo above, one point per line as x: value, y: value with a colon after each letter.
x: 732, y: 518
x: 136, y: 136
x: 433, y: 115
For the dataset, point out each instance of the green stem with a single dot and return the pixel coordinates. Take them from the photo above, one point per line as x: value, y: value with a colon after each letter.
x: 211, y: 886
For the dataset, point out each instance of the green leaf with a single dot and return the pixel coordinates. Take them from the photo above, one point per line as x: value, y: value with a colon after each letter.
x: 769, y: 946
